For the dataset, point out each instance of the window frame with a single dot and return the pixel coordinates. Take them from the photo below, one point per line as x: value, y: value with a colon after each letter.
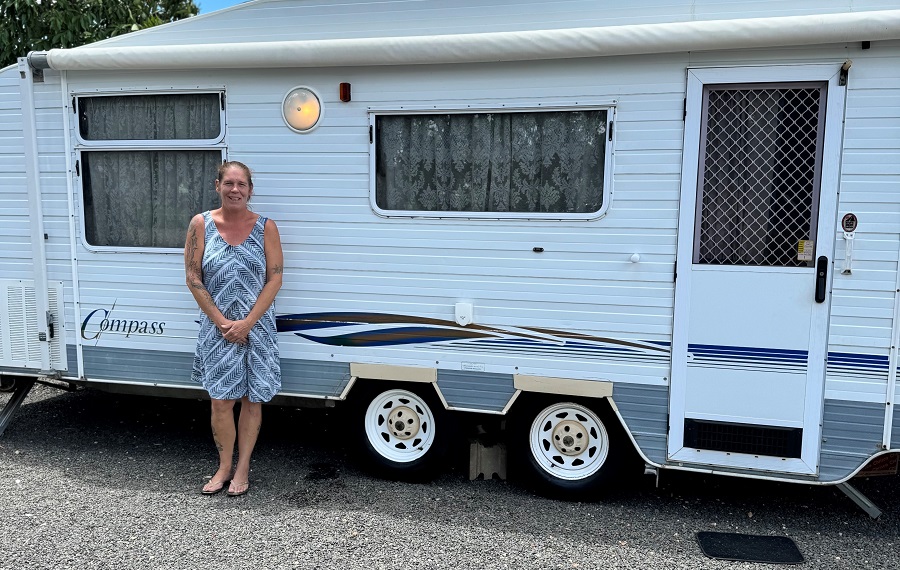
x: 468, y: 109
x: 82, y: 142
x: 82, y: 146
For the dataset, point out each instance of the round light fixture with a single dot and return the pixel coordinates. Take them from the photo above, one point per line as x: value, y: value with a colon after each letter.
x: 301, y: 109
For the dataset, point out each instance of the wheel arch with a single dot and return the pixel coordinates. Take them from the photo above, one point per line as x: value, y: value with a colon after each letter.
x: 598, y: 392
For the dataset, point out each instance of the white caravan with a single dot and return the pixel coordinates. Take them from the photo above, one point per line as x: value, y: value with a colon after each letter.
x: 668, y: 228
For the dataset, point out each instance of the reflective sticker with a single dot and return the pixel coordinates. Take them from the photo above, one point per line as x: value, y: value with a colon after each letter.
x: 805, y: 249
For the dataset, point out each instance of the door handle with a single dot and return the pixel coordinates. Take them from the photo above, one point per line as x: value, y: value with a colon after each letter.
x: 821, y: 278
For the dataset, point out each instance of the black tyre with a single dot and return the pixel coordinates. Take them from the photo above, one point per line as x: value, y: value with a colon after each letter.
x: 570, y: 449
x: 405, y: 429
x: 7, y: 384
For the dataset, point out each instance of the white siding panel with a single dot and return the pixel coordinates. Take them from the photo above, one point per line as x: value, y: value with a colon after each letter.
x: 864, y: 303
x: 15, y: 242
x: 341, y: 256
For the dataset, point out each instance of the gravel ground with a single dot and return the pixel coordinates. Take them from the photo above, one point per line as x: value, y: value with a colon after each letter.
x: 96, y: 480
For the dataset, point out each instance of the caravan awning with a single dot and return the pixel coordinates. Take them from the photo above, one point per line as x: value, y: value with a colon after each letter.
x: 491, y: 46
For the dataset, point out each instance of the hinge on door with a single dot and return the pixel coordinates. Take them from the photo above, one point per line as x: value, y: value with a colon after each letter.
x: 222, y: 100
x: 845, y: 72
x: 684, y: 111
x: 77, y: 168
x: 371, y: 134
x: 73, y: 105
x: 612, y: 124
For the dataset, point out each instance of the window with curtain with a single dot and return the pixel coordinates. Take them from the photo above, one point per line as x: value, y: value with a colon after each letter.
x: 145, y: 197
x: 548, y: 162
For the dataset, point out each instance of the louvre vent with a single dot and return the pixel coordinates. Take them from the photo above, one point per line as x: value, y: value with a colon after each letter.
x: 21, y: 347
x: 743, y: 438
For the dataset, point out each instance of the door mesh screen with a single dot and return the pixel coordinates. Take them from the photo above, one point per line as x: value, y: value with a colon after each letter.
x: 759, y: 175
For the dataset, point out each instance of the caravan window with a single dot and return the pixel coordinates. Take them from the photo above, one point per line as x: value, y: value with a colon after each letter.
x: 181, y: 116
x: 146, y: 198
x: 148, y: 164
x: 515, y: 164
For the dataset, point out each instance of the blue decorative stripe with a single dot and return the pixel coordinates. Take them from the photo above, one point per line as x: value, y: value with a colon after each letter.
x: 381, y: 329
x: 748, y: 351
x: 746, y: 356
x: 391, y: 337
x: 837, y: 359
x: 838, y: 362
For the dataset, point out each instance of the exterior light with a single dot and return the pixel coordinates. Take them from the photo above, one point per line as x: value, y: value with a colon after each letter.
x: 301, y: 109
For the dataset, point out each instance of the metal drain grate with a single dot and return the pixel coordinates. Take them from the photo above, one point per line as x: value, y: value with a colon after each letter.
x: 743, y: 438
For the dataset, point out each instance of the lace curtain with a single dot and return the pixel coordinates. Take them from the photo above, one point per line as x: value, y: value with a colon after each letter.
x: 146, y: 198
x: 550, y: 162
x: 150, y: 117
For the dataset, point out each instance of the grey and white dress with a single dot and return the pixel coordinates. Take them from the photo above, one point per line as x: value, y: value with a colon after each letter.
x: 235, y: 275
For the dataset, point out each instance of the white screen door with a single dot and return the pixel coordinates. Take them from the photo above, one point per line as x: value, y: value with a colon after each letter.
x: 755, y: 243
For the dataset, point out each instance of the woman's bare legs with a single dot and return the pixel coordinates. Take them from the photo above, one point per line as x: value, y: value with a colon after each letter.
x: 223, y: 435
x: 249, y: 424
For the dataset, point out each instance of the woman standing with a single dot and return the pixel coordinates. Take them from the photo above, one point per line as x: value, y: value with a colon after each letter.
x: 233, y: 265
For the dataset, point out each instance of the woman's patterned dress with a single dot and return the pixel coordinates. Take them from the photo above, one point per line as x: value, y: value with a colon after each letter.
x: 235, y: 275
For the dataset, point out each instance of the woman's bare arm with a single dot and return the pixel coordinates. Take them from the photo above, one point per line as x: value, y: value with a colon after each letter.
x: 193, y: 272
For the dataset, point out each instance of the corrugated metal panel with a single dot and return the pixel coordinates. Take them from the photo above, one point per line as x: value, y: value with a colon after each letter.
x: 314, y: 378
x: 476, y: 390
x: 645, y: 410
x: 169, y: 368
x: 154, y: 367
x: 72, y: 360
x: 851, y: 432
x: 278, y: 19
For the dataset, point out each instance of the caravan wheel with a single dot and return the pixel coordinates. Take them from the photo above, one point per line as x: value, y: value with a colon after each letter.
x: 405, y: 431
x: 565, y: 449
x: 7, y: 384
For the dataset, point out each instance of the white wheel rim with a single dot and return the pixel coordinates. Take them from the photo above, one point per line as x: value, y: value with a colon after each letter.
x: 387, y: 438
x: 567, y: 460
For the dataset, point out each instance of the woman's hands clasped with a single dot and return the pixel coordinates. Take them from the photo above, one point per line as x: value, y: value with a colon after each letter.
x: 235, y: 331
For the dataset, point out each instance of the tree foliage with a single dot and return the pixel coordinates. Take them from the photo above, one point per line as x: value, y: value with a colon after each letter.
x: 27, y: 25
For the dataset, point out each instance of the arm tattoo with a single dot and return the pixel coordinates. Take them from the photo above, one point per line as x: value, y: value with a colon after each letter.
x: 193, y: 269
x: 191, y: 250
x: 278, y: 270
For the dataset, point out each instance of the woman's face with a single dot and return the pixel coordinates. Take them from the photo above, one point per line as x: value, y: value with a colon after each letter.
x: 234, y: 189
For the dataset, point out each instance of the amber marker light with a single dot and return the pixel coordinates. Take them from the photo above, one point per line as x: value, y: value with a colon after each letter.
x: 345, y: 92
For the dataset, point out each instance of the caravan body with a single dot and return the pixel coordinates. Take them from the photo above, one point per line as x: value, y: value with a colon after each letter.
x: 690, y: 213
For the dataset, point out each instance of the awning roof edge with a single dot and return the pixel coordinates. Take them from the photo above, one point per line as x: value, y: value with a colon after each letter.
x: 492, y: 46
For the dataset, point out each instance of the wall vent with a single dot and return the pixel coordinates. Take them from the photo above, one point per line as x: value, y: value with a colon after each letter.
x: 743, y: 438
x: 19, y: 343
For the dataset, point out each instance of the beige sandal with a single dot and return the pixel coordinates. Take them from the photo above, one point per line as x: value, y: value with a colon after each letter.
x: 245, y: 485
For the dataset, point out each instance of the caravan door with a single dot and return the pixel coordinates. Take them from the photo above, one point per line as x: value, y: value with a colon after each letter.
x: 754, y: 262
